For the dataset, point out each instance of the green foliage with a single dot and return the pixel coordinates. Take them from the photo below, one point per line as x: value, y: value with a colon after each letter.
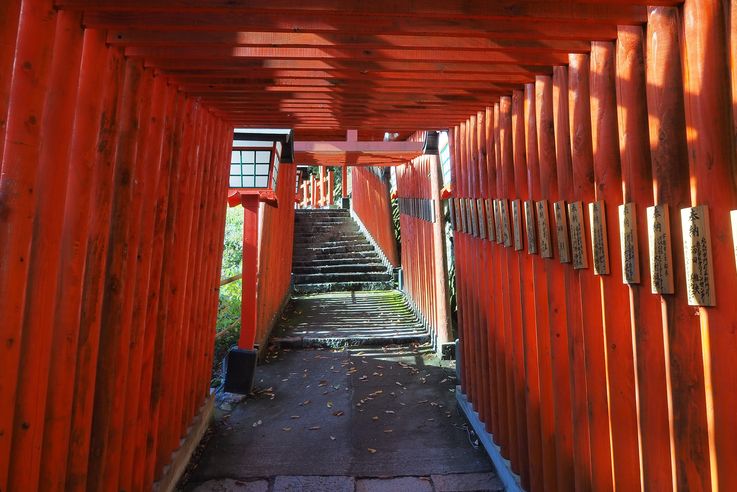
x: 229, y: 311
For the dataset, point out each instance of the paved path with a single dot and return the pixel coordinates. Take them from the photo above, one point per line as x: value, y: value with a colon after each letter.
x: 371, y: 419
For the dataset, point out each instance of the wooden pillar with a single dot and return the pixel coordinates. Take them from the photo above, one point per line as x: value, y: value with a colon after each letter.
x: 344, y: 181
x: 620, y: 356
x: 9, y: 20
x: 323, y: 198
x: 658, y: 458
x: 20, y: 167
x: 713, y: 172
x: 250, y: 271
x: 671, y: 187
x: 74, y: 249
x: 94, y: 274
x: 314, y: 198
x: 41, y: 283
x: 577, y: 185
x: 537, y: 358
x: 331, y: 187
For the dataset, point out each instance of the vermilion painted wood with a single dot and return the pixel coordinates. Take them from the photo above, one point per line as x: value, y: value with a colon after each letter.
x: 95, y: 268
x: 160, y: 390
x: 502, y: 363
x: 172, y: 283
x: 671, y: 185
x: 74, y: 247
x: 537, y: 359
x: 183, y: 408
x: 488, y: 163
x: 463, y: 287
x: 623, y: 411
x: 145, y: 414
x: 184, y: 328
x: 483, y: 251
x: 479, y: 290
x: 41, y: 284
x: 526, y: 363
x: 9, y: 20
x: 581, y: 187
x: 130, y: 174
x: 658, y: 458
x: 371, y: 202
x: 712, y: 169
x: 510, y: 347
x: 152, y: 144
x: 555, y: 418
x: 21, y: 153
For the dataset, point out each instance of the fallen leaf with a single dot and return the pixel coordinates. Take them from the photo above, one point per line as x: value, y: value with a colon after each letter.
x: 314, y: 428
x: 339, y: 413
x: 374, y: 418
x: 371, y: 450
x: 329, y: 404
x: 256, y: 424
x: 294, y: 417
x: 332, y: 438
x: 363, y: 378
x: 391, y: 412
x: 387, y: 431
x: 306, y: 402
x: 286, y: 429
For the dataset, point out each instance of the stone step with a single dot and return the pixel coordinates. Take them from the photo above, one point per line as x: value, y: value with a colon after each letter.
x: 329, y: 262
x: 354, y: 245
x: 342, y: 277
x: 358, y: 256
x: 328, y: 236
x: 329, y: 248
x: 341, y: 287
x: 344, y: 268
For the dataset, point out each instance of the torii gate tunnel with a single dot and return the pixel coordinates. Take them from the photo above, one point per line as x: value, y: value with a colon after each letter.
x: 592, y: 202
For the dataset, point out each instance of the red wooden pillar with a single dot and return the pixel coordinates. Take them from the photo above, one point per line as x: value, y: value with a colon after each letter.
x: 9, y: 20
x: 620, y: 356
x: 713, y: 172
x: 502, y: 363
x: 250, y: 270
x: 344, y: 181
x: 579, y: 186
x: 146, y: 407
x: 53, y: 167
x: 152, y: 157
x: 658, y: 459
x: 520, y: 287
x: 537, y: 362
x: 73, y: 255
x: 511, y: 348
x: 20, y: 167
x: 94, y: 274
x: 553, y: 339
x: 672, y: 187
x: 331, y: 185
x: 118, y: 292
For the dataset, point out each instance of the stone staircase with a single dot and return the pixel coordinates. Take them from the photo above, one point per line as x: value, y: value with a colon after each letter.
x: 332, y: 254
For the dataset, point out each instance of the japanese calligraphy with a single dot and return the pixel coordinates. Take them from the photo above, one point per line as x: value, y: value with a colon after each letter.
x: 629, y: 244
x: 561, y: 231
x: 578, y: 241
x: 697, y: 252
x: 659, y: 245
x: 543, y: 227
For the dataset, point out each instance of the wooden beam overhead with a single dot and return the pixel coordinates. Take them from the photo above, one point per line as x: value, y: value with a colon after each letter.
x: 330, y: 65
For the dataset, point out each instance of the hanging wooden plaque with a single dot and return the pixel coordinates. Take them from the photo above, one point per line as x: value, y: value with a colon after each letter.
x: 543, y: 228
x: 504, y: 212
x: 464, y: 217
x: 498, y: 222
x: 599, y: 240
x: 561, y: 231
x: 659, y: 246
x: 471, y: 216
x: 459, y: 220
x: 482, y: 217
x: 697, y: 252
x: 530, y: 227
x: 578, y: 241
x: 629, y: 244
x: 489, y: 219
x: 517, y: 222
x: 474, y: 219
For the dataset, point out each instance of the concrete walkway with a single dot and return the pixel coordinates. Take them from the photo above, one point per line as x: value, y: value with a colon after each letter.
x: 348, y: 419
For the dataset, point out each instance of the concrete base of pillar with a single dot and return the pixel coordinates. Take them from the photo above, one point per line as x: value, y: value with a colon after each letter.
x: 240, y: 369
